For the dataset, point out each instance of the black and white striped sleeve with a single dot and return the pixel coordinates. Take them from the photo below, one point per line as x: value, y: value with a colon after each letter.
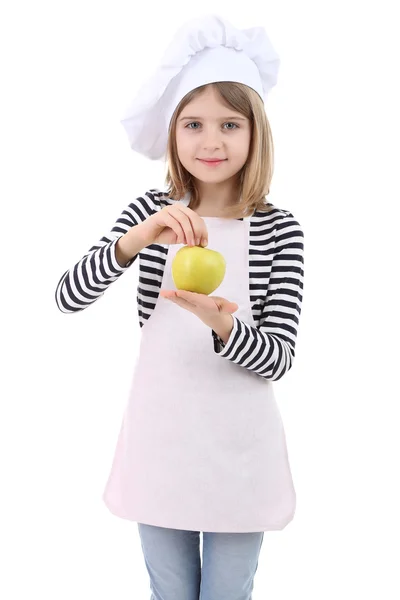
x: 269, y: 349
x: 91, y: 276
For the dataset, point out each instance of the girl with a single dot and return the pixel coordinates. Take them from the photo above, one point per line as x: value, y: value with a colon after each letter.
x: 202, y: 446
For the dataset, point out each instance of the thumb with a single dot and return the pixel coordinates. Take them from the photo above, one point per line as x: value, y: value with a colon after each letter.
x: 225, y: 305
x: 230, y: 307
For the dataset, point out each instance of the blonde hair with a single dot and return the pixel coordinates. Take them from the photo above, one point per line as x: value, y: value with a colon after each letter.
x: 254, y: 178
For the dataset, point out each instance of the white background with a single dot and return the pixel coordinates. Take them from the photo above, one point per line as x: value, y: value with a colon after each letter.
x: 68, y: 69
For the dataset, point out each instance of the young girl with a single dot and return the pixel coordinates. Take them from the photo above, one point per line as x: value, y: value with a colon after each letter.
x: 202, y: 446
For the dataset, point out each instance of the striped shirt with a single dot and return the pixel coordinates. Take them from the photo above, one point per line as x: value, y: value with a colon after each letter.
x: 276, y: 261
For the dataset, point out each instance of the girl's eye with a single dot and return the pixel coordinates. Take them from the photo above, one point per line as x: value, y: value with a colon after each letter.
x: 193, y: 122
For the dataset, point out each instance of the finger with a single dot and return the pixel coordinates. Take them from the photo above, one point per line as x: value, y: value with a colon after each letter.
x: 187, y: 294
x: 186, y: 223
x: 232, y: 307
x: 199, y: 228
x: 201, y: 231
x: 169, y: 294
x: 198, y: 225
x: 175, y: 225
x: 188, y: 297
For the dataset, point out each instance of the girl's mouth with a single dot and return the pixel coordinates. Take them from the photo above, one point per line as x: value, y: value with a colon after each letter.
x: 212, y: 163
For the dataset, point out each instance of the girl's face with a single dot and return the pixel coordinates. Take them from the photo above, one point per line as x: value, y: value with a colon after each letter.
x: 206, y: 128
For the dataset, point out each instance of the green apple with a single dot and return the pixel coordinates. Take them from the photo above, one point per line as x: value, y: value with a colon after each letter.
x: 197, y: 269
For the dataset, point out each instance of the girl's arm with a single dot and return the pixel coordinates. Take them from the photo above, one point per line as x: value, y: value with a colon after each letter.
x: 87, y: 281
x: 269, y: 349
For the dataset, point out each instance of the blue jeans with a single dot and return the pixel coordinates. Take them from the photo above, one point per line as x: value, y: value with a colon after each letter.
x: 172, y: 558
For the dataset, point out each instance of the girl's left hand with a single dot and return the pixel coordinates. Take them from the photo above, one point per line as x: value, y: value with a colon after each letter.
x: 205, y: 307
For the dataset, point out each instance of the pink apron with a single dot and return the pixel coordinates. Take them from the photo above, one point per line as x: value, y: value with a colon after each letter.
x: 202, y: 445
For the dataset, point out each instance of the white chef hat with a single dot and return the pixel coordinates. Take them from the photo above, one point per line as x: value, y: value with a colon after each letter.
x: 204, y: 50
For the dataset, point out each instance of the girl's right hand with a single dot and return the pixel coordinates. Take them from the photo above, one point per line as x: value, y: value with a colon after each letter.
x: 176, y: 224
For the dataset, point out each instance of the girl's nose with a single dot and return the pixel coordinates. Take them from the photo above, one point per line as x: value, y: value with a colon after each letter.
x: 211, y: 141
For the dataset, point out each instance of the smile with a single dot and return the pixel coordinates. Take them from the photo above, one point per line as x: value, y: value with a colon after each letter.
x: 211, y: 163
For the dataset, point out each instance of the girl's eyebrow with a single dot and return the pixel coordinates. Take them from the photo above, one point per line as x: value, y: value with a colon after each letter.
x: 220, y: 118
